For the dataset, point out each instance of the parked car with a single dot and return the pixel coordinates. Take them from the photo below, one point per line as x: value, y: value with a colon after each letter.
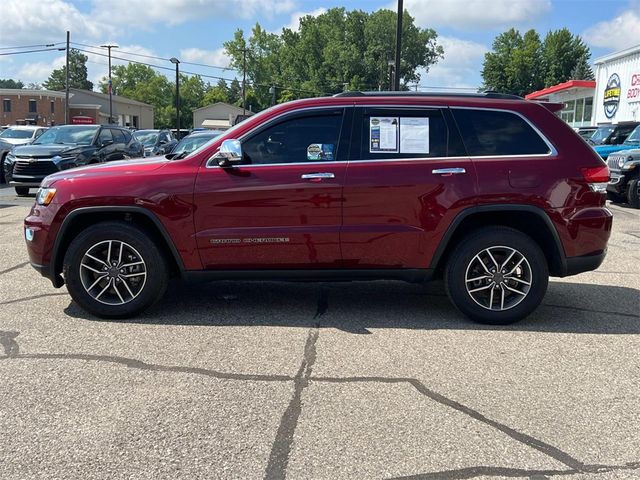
x: 625, y: 176
x: 586, y: 132
x: 65, y: 147
x: 192, y: 142
x: 612, y: 134
x: 491, y: 192
x: 16, y: 135
x: 631, y: 141
x: 156, y: 142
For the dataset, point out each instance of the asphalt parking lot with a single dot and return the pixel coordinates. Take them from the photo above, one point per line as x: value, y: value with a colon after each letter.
x: 352, y: 380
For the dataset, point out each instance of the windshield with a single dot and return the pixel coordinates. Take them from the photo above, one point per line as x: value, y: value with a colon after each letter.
x: 634, y: 138
x: 600, y: 134
x: 67, y: 135
x: 16, y: 133
x: 146, y: 138
x: 190, y: 144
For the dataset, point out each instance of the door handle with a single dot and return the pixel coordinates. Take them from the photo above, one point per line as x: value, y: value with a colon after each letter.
x: 448, y: 171
x: 317, y: 176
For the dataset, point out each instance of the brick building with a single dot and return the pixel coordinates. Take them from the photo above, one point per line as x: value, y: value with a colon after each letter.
x: 31, y: 107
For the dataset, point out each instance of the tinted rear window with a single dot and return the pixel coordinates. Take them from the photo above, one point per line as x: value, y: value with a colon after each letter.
x: 492, y: 133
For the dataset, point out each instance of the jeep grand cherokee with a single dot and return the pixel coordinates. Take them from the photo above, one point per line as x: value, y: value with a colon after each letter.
x: 491, y: 192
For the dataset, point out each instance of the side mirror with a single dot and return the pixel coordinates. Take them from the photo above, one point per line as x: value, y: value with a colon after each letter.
x: 230, y: 152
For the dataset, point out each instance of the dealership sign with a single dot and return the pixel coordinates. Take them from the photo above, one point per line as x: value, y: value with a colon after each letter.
x: 633, y: 94
x: 612, y: 96
x: 82, y: 120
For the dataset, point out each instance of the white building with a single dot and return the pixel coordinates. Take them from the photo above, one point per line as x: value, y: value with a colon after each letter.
x: 217, y: 116
x: 578, y: 97
x: 617, y: 98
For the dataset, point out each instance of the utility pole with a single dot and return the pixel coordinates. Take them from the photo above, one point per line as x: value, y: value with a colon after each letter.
x: 66, y: 87
x: 244, y: 81
x: 391, y: 69
x: 176, y: 62
x: 398, y: 46
x: 109, y: 47
x: 272, y: 91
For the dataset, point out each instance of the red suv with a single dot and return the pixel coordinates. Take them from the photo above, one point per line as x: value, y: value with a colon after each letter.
x: 489, y: 191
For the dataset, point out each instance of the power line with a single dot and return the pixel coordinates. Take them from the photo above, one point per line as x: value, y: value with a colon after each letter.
x: 32, y: 46
x: 33, y: 51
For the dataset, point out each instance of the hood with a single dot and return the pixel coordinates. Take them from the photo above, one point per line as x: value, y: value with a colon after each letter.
x: 43, y: 151
x: 16, y: 141
x: 605, y: 150
x: 118, y: 168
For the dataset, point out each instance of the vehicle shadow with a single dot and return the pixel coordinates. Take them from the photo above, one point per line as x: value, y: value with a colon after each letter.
x: 359, y: 306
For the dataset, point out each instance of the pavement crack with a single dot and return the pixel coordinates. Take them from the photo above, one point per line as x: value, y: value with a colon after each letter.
x: 140, y: 365
x: 34, y: 297
x: 590, y: 310
x: 16, y: 267
x: 281, y: 449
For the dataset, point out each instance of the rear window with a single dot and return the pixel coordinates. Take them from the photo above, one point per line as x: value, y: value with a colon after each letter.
x: 495, y: 133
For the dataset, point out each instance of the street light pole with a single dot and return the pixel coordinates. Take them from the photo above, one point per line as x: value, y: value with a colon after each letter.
x: 398, y: 46
x: 176, y: 62
x: 109, y: 46
x: 66, y: 85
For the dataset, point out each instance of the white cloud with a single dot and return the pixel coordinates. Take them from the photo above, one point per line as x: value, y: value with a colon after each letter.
x: 217, y: 57
x: 618, y: 33
x: 33, y: 22
x: 460, y: 67
x: 175, y: 12
x: 38, y: 72
x: 294, y: 22
x: 475, y: 14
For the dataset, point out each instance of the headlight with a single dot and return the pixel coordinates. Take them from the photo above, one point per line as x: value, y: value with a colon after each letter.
x: 10, y: 158
x: 621, y: 161
x: 45, y: 195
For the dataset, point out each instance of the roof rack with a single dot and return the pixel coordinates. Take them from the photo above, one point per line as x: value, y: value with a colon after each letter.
x: 486, y: 94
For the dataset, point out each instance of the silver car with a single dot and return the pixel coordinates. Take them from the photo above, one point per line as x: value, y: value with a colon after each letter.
x: 16, y: 135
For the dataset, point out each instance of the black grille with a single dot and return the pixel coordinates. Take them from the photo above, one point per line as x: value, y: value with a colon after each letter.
x: 36, y: 169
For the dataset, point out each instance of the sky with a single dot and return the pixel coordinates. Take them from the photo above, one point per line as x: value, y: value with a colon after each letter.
x: 195, y: 30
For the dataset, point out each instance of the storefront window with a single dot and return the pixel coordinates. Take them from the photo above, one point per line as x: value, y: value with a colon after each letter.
x: 579, y: 109
x: 588, y: 108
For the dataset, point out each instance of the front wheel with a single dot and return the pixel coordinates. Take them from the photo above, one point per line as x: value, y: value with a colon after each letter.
x: 497, y: 276
x: 633, y: 193
x: 115, y: 270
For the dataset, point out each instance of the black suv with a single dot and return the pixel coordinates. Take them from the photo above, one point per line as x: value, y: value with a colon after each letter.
x: 156, y: 142
x: 625, y: 177
x: 64, y: 147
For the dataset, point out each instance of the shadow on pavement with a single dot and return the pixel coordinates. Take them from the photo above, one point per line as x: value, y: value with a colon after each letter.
x: 358, y: 306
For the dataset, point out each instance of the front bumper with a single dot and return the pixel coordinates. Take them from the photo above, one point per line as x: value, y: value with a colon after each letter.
x: 619, y: 181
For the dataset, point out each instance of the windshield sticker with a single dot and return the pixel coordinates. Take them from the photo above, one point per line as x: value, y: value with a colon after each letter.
x: 414, y: 135
x: 383, y: 135
x: 321, y: 152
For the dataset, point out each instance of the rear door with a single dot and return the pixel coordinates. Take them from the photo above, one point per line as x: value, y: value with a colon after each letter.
x: 408, y: 177
x: 282, y: 207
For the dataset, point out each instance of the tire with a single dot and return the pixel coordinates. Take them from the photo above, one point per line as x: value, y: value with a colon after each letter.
x: 22, y: 191
x: 464, y: 264
x: 615, y: 197
x: 142, y: 281
x: 633, y: 194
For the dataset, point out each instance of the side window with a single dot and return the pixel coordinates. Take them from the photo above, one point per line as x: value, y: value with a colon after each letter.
x: 310, y: 139
x: 118, y: 136
x: 105, y: 136
x: 494, y: 133
x: 396, y: 134
x: 127, y: 136
x: 163, y: 138
x: 38, y: 133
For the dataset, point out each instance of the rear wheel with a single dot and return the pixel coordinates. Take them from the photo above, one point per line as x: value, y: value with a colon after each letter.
x: 115, y: 270
x: 497, y: 275
x: 22, y: 191
x: 633, y: 193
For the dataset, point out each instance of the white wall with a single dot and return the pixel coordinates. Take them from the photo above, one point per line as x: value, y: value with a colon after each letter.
x: 628, y: 70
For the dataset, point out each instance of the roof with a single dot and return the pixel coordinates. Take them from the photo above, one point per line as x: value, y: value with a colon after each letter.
x: 31, y: 92
x: 560, y: 87
x: 105, y: 96
x: 208, y: 123
x: 228, y: 105
x: 616, y: 55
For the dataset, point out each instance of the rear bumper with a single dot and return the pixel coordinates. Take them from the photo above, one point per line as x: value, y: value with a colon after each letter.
x: 45, y: 271
x: 585, y: 263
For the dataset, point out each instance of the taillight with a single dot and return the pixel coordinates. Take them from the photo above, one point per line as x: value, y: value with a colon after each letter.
x: 596, y: 174
x: 596, y: 177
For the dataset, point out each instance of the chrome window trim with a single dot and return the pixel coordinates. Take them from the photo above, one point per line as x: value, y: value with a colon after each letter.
x: 552, y: 149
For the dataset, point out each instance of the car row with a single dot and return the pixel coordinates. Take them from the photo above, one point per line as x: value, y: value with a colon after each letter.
x: 16, y: 135
x: 488, y: 191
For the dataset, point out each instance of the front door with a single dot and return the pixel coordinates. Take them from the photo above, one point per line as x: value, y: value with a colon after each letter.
x: 407, y: 179
x: 281, y: 208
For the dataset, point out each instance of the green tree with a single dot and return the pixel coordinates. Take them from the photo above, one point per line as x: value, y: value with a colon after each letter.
x: 521, y: 65
x: 10, y: 83
x: 330, y: 51
x: 192, y: 93
x: 77, y: 74
x: 219, y: 93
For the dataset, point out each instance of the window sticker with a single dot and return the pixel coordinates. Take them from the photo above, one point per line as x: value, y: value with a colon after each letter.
x: 414, y: 135
x: 321, y: 152
x: 383, y: 135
